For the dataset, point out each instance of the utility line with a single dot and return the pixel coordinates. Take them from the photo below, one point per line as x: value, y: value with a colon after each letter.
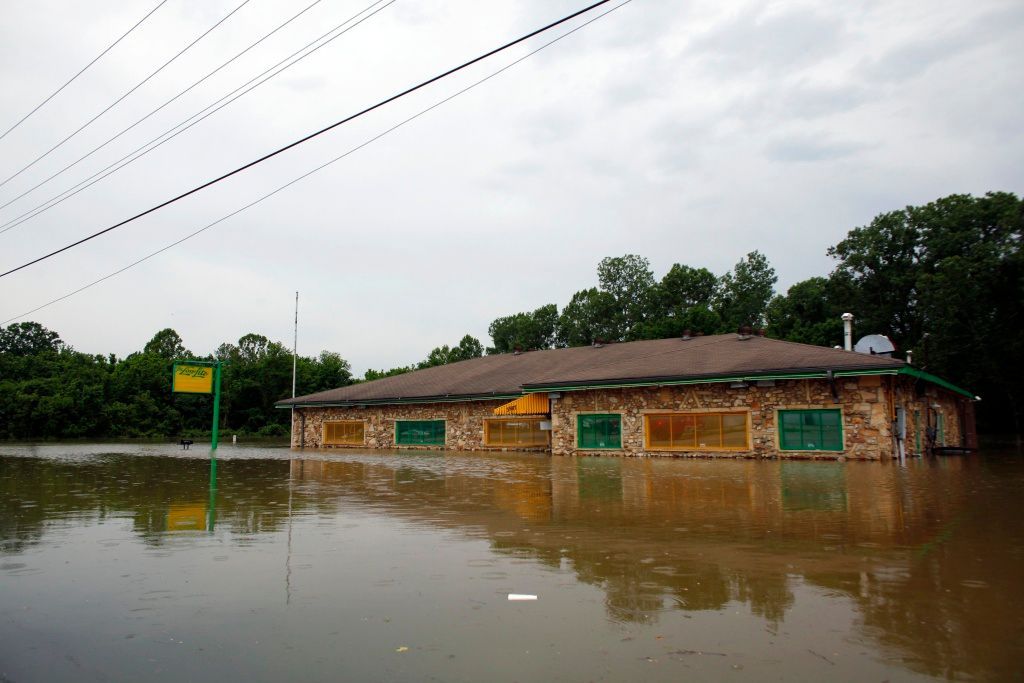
x: 211, y: 109
x: 310, y: 136
x: 137, y: 86
x: 318, y: 168
x: 96, y: 59
x: 183, y: 92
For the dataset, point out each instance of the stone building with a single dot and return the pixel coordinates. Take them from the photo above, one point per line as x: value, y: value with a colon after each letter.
x: 722, y: 395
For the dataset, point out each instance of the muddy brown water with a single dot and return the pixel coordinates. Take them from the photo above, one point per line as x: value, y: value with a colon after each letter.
x: 117, y: 564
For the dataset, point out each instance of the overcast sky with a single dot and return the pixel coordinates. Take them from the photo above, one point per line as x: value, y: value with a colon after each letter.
x: 690, y: 132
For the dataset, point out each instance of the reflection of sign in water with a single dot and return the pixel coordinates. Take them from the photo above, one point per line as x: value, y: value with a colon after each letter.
x: 192, y: 379
x: 191, y: 517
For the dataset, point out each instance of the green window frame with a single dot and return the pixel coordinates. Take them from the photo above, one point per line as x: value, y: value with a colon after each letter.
x: 599, y: 431
x: 419, y: 432
x: 811, y: 430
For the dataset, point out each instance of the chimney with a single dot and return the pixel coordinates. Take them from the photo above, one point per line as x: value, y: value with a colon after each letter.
x: 848, y: 331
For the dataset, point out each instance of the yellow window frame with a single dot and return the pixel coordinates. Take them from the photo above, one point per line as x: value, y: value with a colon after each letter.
x: 491, y: 423
x: 697, y: 424
x: 344, y: 433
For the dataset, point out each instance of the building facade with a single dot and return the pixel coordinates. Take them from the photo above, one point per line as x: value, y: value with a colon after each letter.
x: 762, y: 399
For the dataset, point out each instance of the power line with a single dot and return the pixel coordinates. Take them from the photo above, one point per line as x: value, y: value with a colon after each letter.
x: 211, y: 109
x: 310, y: 136
x: 318, y: 168
x: 137, y: 86
x: 183, y: 92
x: 96, y: 59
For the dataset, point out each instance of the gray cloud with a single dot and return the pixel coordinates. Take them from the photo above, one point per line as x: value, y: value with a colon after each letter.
x: 690, y: 132
x: 913, y: 58
x: 809, y: 148
x: 752, y: 42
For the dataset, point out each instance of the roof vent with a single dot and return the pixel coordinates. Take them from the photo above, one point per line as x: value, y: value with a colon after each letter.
x: 686, y: 335
x: 744, y: 333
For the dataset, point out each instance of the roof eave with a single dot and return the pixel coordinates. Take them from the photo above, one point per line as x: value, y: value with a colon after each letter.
x: 803, y: 373
x: 397, y: 400
x: 938, y: 381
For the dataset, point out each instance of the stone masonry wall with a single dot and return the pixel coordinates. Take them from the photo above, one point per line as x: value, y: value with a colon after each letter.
x: 464, y: 427
x: 928, y: 406
x: 867, y: 404
x: 866, y: 415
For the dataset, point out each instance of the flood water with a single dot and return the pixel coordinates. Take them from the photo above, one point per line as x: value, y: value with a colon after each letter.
x: 117, y: 563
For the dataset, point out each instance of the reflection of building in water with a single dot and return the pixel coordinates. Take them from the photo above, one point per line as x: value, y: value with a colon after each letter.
x: 813, y: 488
x: 913, y: 549
x: 654, y: 534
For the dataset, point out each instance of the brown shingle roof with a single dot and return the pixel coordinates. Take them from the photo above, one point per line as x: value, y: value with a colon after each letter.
x: 724, y: 355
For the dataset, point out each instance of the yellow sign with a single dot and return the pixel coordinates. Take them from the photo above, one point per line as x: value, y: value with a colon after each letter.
x: 193, y: 379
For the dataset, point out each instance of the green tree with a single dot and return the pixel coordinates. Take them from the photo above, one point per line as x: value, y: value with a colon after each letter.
x: 524, y: 331
x: 167, y: 344
x: 468, y: 347
x: 27, y: 339
x: 810, y: 313
x: 947, y: 280
x: 371, y: 375
x: 630, y: 282
x: 882, y: 263
x: 589, y: 316
x: 682, y: 301
x: 745, y: 292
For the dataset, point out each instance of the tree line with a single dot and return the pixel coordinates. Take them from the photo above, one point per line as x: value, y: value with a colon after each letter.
x: 49, y: 390
x: 945, y: 279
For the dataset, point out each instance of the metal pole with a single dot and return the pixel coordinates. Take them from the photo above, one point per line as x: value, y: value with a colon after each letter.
x: 295, y: 360
x: 295, y: 345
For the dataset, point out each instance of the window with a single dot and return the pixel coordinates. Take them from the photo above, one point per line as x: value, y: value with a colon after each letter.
x: 599, y: 431
x: 419, y: 432
x: 343, y: 433
x: 514, y: 433
x: 810, y: 430
x: 685, y: 431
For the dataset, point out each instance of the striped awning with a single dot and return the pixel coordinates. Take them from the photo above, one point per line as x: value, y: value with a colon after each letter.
x: 529, y: 404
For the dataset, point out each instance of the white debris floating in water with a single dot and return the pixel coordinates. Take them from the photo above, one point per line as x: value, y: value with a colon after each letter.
x: 521, y: 596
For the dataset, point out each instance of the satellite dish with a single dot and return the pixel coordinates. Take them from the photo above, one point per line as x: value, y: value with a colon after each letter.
x: 875, y: 344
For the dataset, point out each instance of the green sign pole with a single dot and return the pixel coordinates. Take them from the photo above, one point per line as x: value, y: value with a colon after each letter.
x: 216, y: 425
x: 216, y: 404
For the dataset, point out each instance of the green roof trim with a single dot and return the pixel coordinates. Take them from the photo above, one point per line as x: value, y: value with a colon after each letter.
x: 819, y: 374
x: 928, y: 377
x: 822, y: 374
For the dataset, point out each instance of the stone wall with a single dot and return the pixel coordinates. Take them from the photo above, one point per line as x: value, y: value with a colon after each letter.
x: 867, y: 404
x: 464, y: 424
x: 863, y: 402
x: 933, y: 415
